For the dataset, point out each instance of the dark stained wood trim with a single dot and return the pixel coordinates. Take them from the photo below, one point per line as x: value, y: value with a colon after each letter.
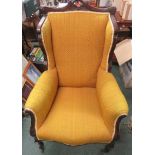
x: 121, y: 22
x: 71, y: 6
x: 115, y: 25
x: 115, y: 38
x: 116, y: 137
x: 33, y: 130
x: 40, y: 24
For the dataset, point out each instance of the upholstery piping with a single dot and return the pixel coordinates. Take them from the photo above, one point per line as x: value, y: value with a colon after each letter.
x: 35, y: 123
x: 43, y: 41
x: 110, y: 44
x: 43, y: 37
x: 124, y: 114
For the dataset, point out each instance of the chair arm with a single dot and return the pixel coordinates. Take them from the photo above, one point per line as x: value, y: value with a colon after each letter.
x: 42, y: 96
x: 112, y: 102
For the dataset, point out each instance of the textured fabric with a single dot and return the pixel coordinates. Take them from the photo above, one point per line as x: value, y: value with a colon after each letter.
x: 107, y: 45
x: 42, y: 95
x: 75, y: 118
x: 78, y: 42
x: 81, y: 110
x: 46, y: 33
x: 112, y: 102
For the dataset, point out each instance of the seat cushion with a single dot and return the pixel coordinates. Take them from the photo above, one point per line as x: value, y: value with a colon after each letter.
x: 75, y: 118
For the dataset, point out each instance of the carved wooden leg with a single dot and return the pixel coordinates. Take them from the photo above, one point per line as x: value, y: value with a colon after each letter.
x: 117, y: 133
x: 33, y: 131
x: 116, y: 136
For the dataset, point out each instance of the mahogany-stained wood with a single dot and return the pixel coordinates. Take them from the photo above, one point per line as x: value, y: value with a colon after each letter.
x: 72, y: 6
x: 109, y: 146
x: 32, y: 129
x: 121, y: 22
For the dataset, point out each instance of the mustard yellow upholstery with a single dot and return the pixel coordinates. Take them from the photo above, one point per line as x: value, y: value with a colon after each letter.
x: 75, y: 118
x: 77, y: 37
x: 77, y: 101
x: 111, y: 99
x: 42, y: 95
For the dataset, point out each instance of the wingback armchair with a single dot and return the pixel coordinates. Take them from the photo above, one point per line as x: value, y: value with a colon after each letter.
x: 77, y: 101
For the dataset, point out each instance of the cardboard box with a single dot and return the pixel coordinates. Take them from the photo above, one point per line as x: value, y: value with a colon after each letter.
x: 123, y: 51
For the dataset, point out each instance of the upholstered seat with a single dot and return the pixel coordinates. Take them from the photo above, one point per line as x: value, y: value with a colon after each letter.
x: 75, y: 118
x: 77, y: 101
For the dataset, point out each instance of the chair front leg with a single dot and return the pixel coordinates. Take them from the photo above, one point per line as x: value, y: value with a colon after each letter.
x: 33, y: 131
x: 116, y: 136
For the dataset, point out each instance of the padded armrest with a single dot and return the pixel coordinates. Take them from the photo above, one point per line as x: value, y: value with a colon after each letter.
x: 42, y: 95
x: 112, y: 102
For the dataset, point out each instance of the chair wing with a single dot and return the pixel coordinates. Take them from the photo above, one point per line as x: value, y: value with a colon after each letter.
x: 46, y: 34
x: 111, y: 100
x: 42, y: 96
x: 109, y: 34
